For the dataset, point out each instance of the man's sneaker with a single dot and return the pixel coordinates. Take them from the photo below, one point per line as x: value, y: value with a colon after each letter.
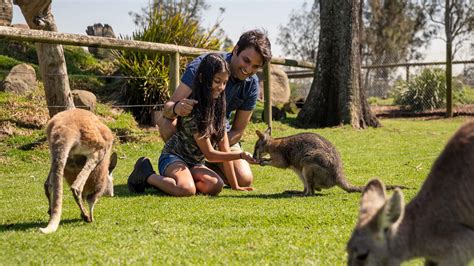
x: 141, y: 171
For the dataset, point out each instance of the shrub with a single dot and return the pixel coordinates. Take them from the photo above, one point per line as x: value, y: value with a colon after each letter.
x: 151, y: 85
x: 427, y: 91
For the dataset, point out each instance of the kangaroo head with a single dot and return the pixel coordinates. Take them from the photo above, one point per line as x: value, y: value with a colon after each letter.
x: 379, y: 218
x: 259, y: 149
x: 109, y: 190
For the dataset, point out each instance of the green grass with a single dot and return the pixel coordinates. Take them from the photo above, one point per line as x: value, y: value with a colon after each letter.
x: 260, y: 227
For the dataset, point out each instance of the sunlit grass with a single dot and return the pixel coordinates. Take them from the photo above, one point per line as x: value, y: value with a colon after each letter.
x: 260, y: 227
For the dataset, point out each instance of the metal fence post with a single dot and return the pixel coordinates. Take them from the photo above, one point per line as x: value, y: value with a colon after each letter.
x: 267, y: 95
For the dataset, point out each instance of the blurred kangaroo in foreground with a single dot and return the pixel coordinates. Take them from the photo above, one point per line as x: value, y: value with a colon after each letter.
x: 438, y: 224
x: 81, y: 151
x: 314, y: 159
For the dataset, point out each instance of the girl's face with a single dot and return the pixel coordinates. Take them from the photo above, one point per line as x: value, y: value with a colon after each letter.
x: 218, y: 83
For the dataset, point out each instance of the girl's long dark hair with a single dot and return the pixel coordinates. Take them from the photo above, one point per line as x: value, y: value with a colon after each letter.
x: 209, y: 112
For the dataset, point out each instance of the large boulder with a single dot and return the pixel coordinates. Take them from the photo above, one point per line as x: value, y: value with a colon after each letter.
x: 101, y: 31
x: 279, y: 84
x: 20, y: 80
x: 84, y: 99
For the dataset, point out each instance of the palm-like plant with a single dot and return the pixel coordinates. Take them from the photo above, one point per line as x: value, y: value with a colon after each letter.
x: 148, y: 73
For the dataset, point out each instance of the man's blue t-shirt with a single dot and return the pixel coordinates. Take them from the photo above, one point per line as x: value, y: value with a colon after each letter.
x: 240, y: 94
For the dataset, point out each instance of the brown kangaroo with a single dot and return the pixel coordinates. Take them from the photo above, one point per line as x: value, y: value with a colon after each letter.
x: 313, y: 158
x: 438, y: 224
x: 81, y: 151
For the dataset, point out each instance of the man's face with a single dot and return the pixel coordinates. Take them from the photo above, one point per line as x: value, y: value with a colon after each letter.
x: 247, y: 63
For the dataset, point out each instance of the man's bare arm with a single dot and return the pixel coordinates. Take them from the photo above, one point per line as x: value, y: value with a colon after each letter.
x: 184, y: 107
x: 241, y: 120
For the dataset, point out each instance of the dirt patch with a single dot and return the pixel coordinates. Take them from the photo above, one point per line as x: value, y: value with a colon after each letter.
x: 397, y: 111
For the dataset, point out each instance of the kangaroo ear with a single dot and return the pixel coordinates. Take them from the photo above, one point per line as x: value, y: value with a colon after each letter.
x: 392, y: 210
x: 268, y: 131
x: 113, y: 162
x: 260, y: 134
x: 372, y: 200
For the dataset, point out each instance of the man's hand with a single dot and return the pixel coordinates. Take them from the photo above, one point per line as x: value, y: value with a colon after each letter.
x: 184, y: 107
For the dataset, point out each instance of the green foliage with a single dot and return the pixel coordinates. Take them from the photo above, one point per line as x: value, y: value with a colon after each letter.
x: 123, y: 124
x: 379, y: 101
x: 21, y: 51
x: 7, y: 63
x: 151, y: 85
x: 427, y: 91
x: 393, y: 30
x: 84, y: 69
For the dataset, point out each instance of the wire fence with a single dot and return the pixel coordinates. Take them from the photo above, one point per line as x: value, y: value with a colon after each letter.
x: 418, y: 88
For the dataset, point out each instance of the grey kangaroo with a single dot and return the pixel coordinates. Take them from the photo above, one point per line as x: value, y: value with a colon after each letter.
x: 438, y: 224
x: 314, y: 159
x: 81, y: 152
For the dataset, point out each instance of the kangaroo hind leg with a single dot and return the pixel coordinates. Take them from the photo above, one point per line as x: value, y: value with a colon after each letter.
x: 54, y: 186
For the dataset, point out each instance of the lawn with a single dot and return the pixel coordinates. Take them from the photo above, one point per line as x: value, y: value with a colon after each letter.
x: 265, y: 226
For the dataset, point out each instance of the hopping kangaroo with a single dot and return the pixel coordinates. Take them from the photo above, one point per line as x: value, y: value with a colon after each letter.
x: 438, y: 224
x: 314, y: 159
x: 81, y: 151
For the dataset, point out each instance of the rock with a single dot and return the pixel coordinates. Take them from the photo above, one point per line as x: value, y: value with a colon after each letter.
x: 101, y: 31
x: 277, y: 114
x: 84, y: 99
x: 280, y: 85
x: 21, y: 79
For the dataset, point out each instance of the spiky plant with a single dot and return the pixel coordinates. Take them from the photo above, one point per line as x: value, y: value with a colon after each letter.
x: 150, y: 71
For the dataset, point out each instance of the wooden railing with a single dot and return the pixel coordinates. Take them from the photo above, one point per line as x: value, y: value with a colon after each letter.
x: 175, y: 51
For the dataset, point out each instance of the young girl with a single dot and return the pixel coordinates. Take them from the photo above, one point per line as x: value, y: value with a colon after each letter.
x: 181, y: 164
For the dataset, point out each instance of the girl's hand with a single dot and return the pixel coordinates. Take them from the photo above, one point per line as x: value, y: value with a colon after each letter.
x: 243, y: 188
x: 248, y: 157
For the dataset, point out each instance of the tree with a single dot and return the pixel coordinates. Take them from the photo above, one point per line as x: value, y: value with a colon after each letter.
x: 299, y: 38
x: 50, y: 56
x: 458, y: 22
x: 336, y: 96
x: 394, y: 30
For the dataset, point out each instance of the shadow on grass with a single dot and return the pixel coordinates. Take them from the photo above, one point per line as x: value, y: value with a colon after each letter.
x: 33, y: 145
x: 122, y: 191
x: 281, y: 195
x: 29, y: 225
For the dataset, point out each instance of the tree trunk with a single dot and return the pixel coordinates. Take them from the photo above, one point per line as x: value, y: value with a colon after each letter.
x: 50, y: 56
x: 6, y: 12
x: 336, y: 96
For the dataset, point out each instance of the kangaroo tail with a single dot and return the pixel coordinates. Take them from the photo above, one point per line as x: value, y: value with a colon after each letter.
x: 56, y: 181
x: 392, y: 187
x: 342, y: 182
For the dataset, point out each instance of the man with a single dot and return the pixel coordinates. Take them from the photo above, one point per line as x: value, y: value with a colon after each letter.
x: 250, y: 54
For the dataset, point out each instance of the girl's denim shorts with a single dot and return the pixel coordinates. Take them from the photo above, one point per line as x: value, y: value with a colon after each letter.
x: 166, y: 159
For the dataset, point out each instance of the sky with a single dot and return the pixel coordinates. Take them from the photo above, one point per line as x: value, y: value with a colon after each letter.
x: 73, y: 16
